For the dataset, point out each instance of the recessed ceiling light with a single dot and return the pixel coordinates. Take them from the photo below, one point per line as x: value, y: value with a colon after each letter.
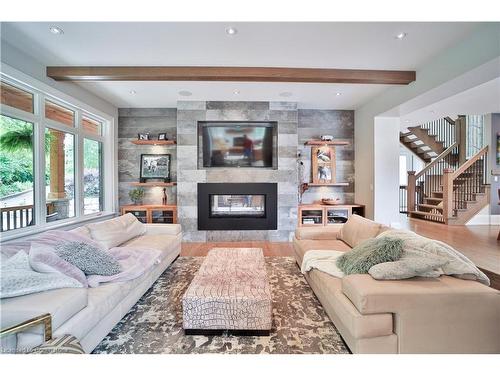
x: 231, y: 31
x: 56, y: 30
x: 236, y: 92
x: 338, y: 94
x: 185, y: 93
x: 401, y: 35
x: 132, y: 92
x: 407, y: 121
x: 433, y: 111
x: 286, y: 94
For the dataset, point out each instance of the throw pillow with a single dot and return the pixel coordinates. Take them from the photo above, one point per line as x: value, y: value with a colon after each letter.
x: 114, y: 232
x: 90, y: 259
x: 43, y: 259
x: 17, y: 278
x: 370, y: 252
x: 410, y: 265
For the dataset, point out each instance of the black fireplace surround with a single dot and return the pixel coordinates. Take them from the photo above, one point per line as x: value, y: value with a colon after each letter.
x: 237, y: 206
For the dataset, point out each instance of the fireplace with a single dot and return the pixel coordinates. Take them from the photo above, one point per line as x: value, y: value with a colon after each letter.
x: 237, y: 206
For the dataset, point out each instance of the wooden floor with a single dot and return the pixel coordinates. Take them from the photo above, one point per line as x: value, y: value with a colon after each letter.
x: 270, y: 249
x: 477, y: 242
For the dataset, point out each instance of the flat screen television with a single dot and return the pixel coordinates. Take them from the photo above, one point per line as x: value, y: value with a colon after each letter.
x: 235, y: 144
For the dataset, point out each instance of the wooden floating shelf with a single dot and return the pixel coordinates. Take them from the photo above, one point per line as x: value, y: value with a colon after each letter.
x: 153, y: 142
x: 332, y: 184
x: 153, y: 184
x: 318, y: 142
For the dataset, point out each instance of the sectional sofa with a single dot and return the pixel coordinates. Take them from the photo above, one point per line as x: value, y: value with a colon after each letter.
x: 418, y: 315
x: 90, y: 313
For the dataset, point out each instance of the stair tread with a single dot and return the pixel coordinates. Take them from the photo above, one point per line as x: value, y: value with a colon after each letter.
x: 430, y: 206
x: 423, y: 213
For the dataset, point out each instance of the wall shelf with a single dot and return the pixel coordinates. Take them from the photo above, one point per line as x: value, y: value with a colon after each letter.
x: 153, y: 142
x: 329, y: 184
x: 318, y: 142
x: 153, y: 184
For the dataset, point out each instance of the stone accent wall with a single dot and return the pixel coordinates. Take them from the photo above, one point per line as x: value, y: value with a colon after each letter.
x: 142, y: 120
x: 313, y: 123
x: 188, y: 115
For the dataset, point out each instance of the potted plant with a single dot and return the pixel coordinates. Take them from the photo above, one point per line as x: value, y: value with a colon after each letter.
x: 136, y: 195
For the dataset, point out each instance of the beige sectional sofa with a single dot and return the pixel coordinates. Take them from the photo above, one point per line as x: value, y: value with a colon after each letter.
x: 418, y: 315
x: 90, y: 313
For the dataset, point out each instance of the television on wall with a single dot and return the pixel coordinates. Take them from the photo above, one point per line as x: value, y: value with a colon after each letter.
x: 237, y: 144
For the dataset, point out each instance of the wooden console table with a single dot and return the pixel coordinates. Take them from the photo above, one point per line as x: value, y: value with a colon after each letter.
x: 324, y: 215
x: 152, y: 214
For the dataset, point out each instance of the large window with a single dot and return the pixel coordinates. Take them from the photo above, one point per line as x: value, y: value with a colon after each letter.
x: 51, y: 159
x: 16, y: 173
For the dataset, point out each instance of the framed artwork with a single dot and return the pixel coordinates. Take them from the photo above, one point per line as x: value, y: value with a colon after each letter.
x: 162, y: 137
x: 155, y: 166
x: 323, y: 164
x: 143, y: 136
x: 498, y: 148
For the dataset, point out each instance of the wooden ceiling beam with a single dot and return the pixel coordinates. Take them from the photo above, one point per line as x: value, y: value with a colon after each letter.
x: 241, y: 74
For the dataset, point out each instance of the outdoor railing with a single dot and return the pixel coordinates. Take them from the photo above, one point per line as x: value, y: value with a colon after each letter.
x: 17, y: 217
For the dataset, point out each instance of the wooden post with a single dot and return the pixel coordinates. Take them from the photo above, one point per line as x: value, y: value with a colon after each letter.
x: 412, y: 185
x: 447, y: 194
x: 461, y: 139
x: 56, y: 165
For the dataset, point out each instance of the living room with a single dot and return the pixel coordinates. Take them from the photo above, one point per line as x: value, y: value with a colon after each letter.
x: 288, y: 188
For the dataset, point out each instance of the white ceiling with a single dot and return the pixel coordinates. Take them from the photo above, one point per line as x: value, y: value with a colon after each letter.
x: 328, y: 45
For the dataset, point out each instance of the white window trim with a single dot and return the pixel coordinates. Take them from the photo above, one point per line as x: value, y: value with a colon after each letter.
x: 42, y: 91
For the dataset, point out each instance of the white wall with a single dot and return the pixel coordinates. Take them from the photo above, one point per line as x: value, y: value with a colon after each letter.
x: 480, y: 47
x: 386, y: 167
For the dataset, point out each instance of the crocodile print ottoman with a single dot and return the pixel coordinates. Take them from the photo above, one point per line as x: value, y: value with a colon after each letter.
x: 230, y: 292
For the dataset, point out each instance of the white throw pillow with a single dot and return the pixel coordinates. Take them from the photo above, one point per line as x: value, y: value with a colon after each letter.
x: 114, y: 232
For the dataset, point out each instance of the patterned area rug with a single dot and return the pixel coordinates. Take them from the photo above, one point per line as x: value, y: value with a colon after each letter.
x: 154, y: 324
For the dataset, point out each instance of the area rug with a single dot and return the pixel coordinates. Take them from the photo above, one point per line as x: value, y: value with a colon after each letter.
x: 154, y: 324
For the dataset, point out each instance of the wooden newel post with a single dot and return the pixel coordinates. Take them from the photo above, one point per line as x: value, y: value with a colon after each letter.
x: 447, y: 194
x: 412, y: 185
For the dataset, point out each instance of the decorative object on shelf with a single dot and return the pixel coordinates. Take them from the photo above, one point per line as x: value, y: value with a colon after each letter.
x: 143, y: 136
x: 162, y: 137
x: 330, y: 201
x: 136, y: 195
x: 303, y: 187
x: 164, y: 199
x: 155, y: 166
x: 327, y: 138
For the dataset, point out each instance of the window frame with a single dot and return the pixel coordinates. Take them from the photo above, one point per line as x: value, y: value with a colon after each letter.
x: 42, y: 92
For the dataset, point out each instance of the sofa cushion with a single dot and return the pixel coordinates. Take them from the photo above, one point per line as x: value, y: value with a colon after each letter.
x: 302, y: 246
x: 62, y: 304
x: 358, y: 229
x: 329, y: 291
x: 111, y: 233
x: 162, y: 242
x: 318, y: 233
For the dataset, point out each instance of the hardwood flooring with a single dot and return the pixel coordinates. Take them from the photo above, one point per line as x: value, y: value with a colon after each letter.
x: 270, y: 249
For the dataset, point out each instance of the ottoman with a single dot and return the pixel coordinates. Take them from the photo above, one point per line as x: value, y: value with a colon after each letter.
x: 230, y: 292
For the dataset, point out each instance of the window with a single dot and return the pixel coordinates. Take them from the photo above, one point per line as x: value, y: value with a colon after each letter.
x: 52, y: 158
x: 16, y: 174
x: 16, y: 98
x: 59, y: 174
x: 59, y: 113
x: 92, y: 180
x: 475, y: 134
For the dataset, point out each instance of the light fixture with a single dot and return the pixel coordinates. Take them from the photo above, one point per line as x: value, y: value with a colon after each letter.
x: 433, y: 111
x: 286, y: 94
x: 132, y: 92
x: 401, y: 35
x: 56, y: 30
x: 338, y: 94
x: 185, y: 93
x: 231, y: 30
x: 236, y: 92
x: 407, y: 121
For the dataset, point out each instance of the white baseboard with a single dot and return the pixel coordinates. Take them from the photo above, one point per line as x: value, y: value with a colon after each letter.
x: 482, y: 219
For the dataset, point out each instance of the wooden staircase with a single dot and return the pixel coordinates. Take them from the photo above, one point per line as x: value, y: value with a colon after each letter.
x: 447, y: 192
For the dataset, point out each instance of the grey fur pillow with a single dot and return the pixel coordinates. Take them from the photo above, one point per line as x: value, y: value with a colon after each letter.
x: 410, y: 265
x: 370, y: 252
x: 90, y: 259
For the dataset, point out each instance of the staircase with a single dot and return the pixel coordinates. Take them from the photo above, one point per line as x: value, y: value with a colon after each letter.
x: 429, y: 140
x: 450, y: 189
x: 454, y: 196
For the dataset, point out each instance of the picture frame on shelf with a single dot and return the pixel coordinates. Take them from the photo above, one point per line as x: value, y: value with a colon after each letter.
x: 155, y: 166
x: 143, y: 136
x: 162, y: 137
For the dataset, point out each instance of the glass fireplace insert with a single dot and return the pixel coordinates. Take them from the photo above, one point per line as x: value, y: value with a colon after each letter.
x: 237, y: 205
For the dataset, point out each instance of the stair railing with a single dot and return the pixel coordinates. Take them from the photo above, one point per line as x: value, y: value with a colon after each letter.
x: 462, y: 184
x: 421, y: 185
